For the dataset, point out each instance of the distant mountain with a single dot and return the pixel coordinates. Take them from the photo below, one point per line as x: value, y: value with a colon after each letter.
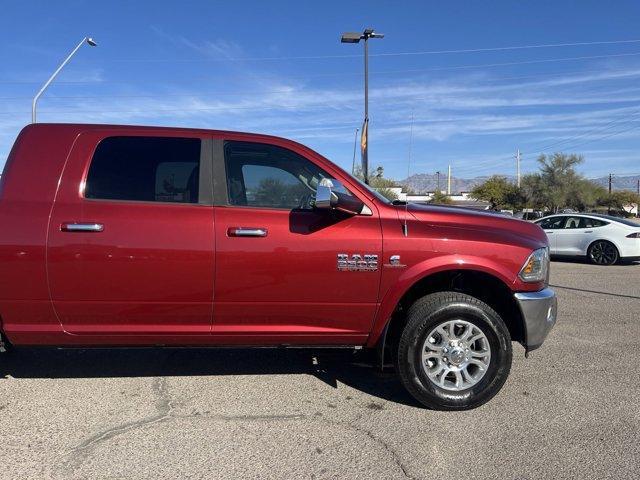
x: 426, y: 182
x: 629, y: 182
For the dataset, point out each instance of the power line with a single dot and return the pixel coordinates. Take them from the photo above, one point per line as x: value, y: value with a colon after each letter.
x: 384, y: 72
x: 629, y: 73
x: 600, y: 129
x: 606, y: 136
x: 391, y: 54
x: 579, y: 144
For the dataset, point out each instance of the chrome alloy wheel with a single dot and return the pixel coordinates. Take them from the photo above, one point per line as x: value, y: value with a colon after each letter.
x: 456, y: 355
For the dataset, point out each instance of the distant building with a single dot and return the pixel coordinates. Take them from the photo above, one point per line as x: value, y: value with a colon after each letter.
x: 462, y: 199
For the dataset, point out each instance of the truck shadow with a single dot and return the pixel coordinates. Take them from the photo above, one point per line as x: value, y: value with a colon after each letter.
x: 357, y: 370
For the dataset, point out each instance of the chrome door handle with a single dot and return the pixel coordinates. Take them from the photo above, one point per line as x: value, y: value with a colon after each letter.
x: 246, y: 232
x: 81, y: 227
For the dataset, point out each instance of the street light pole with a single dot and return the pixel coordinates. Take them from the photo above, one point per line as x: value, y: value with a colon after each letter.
x: 34, y: 105
x: 354, y: 37
x: 355, y: 142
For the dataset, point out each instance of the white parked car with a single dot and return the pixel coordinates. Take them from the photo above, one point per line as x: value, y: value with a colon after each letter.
x: 603, y: 239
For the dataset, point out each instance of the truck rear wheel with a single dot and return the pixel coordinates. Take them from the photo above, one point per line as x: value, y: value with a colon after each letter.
x: 454, y: 352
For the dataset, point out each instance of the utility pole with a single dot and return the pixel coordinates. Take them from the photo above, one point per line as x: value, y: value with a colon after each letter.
x: 449, y: 181
x: 609, y: 202
x: 355, y: 37
x: 438, y: 176
x: 638, y: 204
x: 518, y: 168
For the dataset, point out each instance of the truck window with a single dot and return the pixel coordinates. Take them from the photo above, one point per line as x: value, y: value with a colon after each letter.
x: 261, y: 175
x: 147, y: 169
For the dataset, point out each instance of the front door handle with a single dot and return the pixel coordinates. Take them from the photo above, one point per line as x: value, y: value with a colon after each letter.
x: 246, y: 232
x: 81, y: 227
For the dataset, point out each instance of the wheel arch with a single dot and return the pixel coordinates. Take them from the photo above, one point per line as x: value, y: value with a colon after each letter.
x: 608, y: 240
x: 486, y: 286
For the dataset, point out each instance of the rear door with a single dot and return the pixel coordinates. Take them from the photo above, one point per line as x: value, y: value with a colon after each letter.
x: 277, y: 274
x: 131, y: 242
x: 575, y: 236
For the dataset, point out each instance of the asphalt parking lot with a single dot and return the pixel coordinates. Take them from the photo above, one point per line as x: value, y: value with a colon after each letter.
x: 572, y: 410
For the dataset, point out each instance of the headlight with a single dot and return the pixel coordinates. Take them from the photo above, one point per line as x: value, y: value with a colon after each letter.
x: 536, y: 268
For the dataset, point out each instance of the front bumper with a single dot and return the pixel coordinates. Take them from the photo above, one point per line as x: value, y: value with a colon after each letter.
x: 539, y: 311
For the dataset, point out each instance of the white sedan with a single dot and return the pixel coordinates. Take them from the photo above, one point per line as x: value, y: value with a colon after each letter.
x: 603, y: 239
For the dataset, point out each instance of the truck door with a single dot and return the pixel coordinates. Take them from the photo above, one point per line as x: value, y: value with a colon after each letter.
x: 130, y: 247
x: 278, y: 274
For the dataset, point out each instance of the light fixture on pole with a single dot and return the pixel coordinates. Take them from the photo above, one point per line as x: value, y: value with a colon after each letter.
x: 354, y: 37
x: 89, y: 41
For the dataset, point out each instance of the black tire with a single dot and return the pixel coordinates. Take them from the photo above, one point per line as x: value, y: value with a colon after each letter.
x: 422, y: 317
x: 602, y: 252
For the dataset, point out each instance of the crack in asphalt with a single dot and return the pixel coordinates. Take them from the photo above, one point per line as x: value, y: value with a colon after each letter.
x: 77, y: 455
x: 164, y: 405
x: 377, y: 440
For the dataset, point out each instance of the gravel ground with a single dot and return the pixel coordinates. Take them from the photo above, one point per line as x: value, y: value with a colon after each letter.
x: 572, y: 410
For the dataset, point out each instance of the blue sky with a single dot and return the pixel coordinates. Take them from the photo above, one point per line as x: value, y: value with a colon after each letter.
x: 277, y: 67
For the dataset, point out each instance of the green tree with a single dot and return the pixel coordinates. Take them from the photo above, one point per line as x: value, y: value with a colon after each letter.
x: 499, y: 192
x: 559, y: 185
x: 619, y: 200
x: 559, y: 177
x: 533, y: 191
x: 583, y: 194
x: 440, y: 198
x: 381, y: 184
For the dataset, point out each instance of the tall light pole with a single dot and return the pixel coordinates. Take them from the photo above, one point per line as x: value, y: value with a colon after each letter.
x: 518, y: 167
x: 355, y: 142
x: 355, y: 37
x: 88, y: 41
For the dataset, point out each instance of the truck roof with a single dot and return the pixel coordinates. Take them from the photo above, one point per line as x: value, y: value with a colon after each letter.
x: 98, y: 126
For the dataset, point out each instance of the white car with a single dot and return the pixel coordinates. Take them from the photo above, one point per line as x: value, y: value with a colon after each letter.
x: 603, y: 239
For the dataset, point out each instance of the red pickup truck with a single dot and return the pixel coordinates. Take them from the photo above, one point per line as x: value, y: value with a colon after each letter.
x: 149, y: 236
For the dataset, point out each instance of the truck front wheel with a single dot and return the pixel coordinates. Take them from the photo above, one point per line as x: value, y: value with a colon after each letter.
x: 454, y: 352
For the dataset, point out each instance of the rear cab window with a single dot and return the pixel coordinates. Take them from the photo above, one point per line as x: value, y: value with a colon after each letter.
x: 145, y: 169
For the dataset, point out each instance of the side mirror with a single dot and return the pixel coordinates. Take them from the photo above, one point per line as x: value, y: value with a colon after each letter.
x: 327, y: 199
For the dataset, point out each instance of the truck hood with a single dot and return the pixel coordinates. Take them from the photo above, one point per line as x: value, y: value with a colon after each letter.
x: 516, y: 231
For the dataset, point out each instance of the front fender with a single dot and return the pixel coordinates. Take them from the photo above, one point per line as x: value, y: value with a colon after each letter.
x: 424, y: 269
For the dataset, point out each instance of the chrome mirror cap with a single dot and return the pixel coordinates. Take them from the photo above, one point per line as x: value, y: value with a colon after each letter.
x: 323, y: 197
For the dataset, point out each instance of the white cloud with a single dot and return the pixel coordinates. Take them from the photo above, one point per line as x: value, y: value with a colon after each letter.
x: 458, y: 108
